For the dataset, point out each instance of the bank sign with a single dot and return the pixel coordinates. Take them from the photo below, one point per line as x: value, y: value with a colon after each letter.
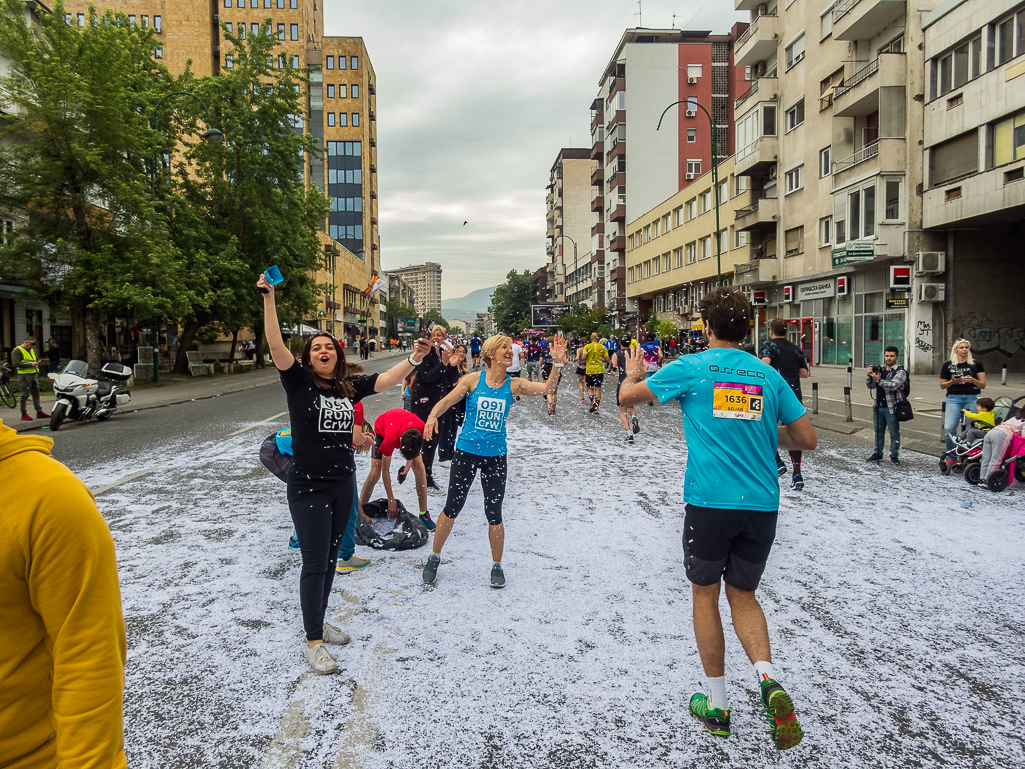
x: 855, y: 252
x: 822, y: 289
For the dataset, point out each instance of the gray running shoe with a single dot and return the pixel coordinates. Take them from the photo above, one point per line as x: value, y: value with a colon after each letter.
x: 497, y: 576
x: 430, y: 575
x: 635, y: 426
x: 435, y: 490
x: 321, y: 661
x: 333, y: 635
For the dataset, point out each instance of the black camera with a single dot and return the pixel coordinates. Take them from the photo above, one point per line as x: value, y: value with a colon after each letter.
x: 875, y: 369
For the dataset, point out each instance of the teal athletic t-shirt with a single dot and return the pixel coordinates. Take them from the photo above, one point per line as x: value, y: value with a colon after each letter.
x: 730, y: 402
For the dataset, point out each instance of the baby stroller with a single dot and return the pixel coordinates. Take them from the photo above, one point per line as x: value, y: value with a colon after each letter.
x: 967, y: 457
x: 1005, y: 408
x: 1011, y: 469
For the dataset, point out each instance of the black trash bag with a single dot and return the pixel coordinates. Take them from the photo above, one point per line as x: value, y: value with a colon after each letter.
x: 273, y: 459
x: 409, y: 532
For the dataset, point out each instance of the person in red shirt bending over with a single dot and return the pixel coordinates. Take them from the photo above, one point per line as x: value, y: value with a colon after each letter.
x: 402, y: 430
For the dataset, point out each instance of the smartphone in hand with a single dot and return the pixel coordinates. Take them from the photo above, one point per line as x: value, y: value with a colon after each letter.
x: 427, y: 330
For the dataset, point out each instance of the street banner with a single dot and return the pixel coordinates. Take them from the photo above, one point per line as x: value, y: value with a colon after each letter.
x: 547, y: 315
x: 407, y: 325
x: 375, y: 286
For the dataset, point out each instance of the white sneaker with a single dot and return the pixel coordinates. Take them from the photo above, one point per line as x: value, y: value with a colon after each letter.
x: 333, y: 635
x: 445, y: 463
x: 321, y: 661
x: 435, y: 490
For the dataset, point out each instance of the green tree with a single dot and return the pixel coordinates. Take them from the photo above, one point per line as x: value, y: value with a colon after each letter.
x: 248, y: 194
x: 75, y: 152
x: 435, y: 316
x: 510, y: 302
x: 583, y: 321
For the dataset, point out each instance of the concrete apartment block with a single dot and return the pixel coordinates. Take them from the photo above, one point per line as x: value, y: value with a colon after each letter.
x: 974, y: 190
x: 576, y: 248
x: 425, y: 282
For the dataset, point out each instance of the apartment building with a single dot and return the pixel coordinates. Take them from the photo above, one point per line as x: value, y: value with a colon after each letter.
x: 575, y: 259
x: 656, y: 67
x: 341, y: 109
x: 398, y: 288
x: 974, y: 193
x: 486, y: 321
x: 676, y: 253
x: 425, y: 282
x: 828, y: 135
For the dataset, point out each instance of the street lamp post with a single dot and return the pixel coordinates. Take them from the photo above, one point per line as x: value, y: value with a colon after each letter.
x: 715, y: 177
x: 212, y: 136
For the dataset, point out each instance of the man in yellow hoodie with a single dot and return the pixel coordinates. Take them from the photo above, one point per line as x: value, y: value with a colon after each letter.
x: 62, y: 635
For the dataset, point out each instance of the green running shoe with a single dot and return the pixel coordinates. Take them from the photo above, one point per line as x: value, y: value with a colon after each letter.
x: 497, y: 576
x: 716, y: 721
x: 430, y: 575
x: 779, y: 709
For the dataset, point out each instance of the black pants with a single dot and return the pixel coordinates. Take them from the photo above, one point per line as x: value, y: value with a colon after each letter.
x: 423, y: 410
x: 320, y: 519
x: 493, y: 474
x: 448, y: 428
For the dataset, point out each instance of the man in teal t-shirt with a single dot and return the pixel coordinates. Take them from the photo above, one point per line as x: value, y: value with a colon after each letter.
x: 730, y: 402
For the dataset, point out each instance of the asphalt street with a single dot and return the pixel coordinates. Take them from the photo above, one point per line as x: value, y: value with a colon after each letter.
x: 892, y: 596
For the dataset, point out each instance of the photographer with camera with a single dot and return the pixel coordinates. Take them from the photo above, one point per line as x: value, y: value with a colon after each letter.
x: 888, y: 382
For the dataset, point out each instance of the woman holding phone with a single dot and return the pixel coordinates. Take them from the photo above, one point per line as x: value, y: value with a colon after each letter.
x: 322, y: 395
x: 964, y: 379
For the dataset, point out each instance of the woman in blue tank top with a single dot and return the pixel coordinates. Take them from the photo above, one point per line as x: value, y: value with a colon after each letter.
x: 481, y: 445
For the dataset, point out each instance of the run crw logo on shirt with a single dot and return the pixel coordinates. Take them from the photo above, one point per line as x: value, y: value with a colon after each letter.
x: 336, y: 415
x: 490, y: 414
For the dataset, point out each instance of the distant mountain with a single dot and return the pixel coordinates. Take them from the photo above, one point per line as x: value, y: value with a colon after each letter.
x: 467, y: 307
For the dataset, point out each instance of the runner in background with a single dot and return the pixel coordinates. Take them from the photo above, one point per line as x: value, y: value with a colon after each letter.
x: 581, y: 370
x: 545, y: 346
x: 482, y: 445
x: 595, y: 356
x: 788, y: 359
x: 730, y: 403
x: 627, y: 414
x: 475, y: 344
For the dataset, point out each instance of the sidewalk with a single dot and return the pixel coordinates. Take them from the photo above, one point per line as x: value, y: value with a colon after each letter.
x: 178, y: 389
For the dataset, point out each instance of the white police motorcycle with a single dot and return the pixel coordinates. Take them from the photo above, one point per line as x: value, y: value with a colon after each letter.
x: 80, y: 397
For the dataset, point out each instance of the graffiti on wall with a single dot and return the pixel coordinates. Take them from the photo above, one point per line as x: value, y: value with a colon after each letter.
x: 923, y: 336
x: 1006, y: 340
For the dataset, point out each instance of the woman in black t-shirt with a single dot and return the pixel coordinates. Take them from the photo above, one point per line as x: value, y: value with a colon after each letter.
x: 321, y: 482
x: 964, y: 379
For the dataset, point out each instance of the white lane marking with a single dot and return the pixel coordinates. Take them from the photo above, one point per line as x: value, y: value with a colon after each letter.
x: 253, y: 427
x: 127, y: 478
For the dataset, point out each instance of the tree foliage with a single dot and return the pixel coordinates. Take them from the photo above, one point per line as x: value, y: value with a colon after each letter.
x: 396, y: 309
x: 435, y: 316
x: 75, y: 151
x: 510, y: 302
x: 583, y: 321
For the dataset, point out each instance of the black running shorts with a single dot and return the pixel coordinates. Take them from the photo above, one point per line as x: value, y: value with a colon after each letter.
x: 594, y: 380
x: 727, y: 545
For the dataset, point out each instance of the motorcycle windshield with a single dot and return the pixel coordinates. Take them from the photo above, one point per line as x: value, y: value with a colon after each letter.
x: 77, y: 367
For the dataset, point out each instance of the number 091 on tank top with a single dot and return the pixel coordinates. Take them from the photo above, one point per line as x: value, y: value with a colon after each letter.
x: 737, y: 401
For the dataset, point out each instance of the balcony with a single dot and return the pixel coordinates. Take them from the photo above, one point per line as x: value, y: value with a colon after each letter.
x: 747, y: 5
x: 598, y: 151
x: 618, y: 214
x: 971, y: 201
x: 765, y: 87
x: 756, y: 158
x: 617, y: 273
x: 757, y: 273
x: 761, y: 215
x: 617, y: 243
x: 596, y: 176
x: 598, y: 257
x: 598, y: 203
x: 373, y: 115
x: 598, y: 229
x: 616, y: 180
x: 597, y: 119
x: 618, y: 151
x: 371, y: 89
x: 759, y: 42
x: 620, y: 304
x: 863, y: 19
x: 373, y: 141
x: 858, y: 95
x: 619, y: 84
x: 619, y: 116
x: 880, y: 156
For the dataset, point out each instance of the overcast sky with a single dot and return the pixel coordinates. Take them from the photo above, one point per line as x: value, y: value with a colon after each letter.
x: 474, y: 100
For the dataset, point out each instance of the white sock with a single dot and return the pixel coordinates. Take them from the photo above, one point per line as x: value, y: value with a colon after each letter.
x: 498, y: 563
x: 764, y: 671
x: 716, y: 690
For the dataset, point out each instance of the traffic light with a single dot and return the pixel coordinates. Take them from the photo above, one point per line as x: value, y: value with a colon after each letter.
x: 363, y: 320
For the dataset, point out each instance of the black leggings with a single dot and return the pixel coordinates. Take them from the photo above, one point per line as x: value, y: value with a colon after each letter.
x: 320, y: 519
x: 423, y: 410
x: 492, y: 479
x: 448, y: 431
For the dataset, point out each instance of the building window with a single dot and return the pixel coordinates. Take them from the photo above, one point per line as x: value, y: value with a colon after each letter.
x: 794, y: 241
x: 706, y: 247
x: 647, y: 269
x: 825, y: 230
x: 693, y: 70
x: 706, y: 201
x: 826, y: 20
x: 657, y: 264
x: 957, y: 66
x: 266, y: 3
x: 794, y: 179
x: 630, y: 275
x: 665, y: 262
x: 227, y: 26
x: 342, y: 62
x: 343, y: 118
x: 647, y: 234
x: 795, y: 51
x: 891, y: 199
x: 692, y: 253
x: 954, y: 158
x: 678, y: 215
x: 158, y: 52
x: 354, y: 63
x: 692, y: 208
x: 227, y: 3
x: 666, y: 223
x: 1008, y: 36
x: 131, y: 18
x: 145, y: 21
x: 293, y: 31
x: 692, y: 135
x: 694, y: 167
x: 354, y: 91
x: 724, y: 190
x: 331, y: 119
x: 630, y: 243
x: 825, y: 165
x: 841, y: 234
x: 281, y: 3
x: 293, y: 4
x: 678, y: 257
x: 739, y: 238
x: 343, y: 91
x: 81, y: 19
x: 739, y: 185
x: 254, y: 28
x: 281, y: 31
x: 330, y: 62
x: 330, y: 91
x: 795, y: 116
x: 229, y: 61
x: 241, y: 30
x: 355, y: 118
x: 1007, y: 140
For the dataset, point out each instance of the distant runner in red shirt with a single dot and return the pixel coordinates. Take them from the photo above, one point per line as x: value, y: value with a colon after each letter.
x: 402, y: 430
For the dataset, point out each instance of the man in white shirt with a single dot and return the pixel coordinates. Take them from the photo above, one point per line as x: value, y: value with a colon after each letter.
x: 517, y: 351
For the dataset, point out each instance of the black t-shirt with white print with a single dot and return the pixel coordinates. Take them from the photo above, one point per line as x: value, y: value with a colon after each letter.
x: 954, y: 370
x: 322, y: 423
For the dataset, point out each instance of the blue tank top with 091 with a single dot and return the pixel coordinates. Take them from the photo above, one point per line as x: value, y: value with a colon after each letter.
x: 487, y: 408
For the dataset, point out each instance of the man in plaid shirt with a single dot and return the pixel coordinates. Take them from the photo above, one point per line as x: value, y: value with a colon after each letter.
x: 888, y: 383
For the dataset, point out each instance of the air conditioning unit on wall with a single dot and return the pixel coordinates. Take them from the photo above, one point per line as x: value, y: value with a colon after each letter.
x: 692, y: 113
x: 932, y: 292
x: 692, y: 80
x: 689, y: 176
x: 930, y: 262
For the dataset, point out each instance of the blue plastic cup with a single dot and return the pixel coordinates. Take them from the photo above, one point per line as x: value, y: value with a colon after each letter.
x: 273, y: 275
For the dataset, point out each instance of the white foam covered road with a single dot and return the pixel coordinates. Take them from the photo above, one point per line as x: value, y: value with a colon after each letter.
x: 895, y: 616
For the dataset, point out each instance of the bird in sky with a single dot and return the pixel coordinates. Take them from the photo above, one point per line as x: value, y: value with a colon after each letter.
x: 465, y: 223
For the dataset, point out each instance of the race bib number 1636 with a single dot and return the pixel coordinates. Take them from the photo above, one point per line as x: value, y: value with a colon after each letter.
x: 737, y: 401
